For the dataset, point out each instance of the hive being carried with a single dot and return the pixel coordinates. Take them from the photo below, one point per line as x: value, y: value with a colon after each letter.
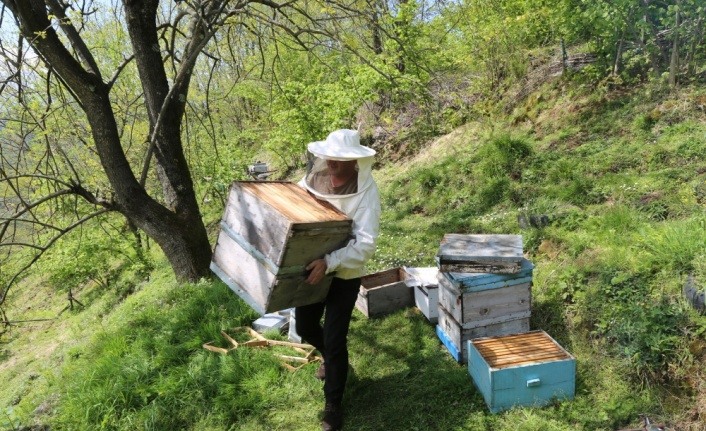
x: 269, y: 232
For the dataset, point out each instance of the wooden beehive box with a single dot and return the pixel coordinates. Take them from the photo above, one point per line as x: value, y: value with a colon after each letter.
x: 529, y: 369
x: 473, y: 305
x: 477, y: 299
x: 454, y: 336
x: 384, y: 292
x: 269, y: 232
x: 500, y: 254
x: 426, y: 291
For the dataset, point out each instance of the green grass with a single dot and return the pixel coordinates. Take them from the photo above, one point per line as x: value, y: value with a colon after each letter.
x: 620, y: 178
x: 145, y: 369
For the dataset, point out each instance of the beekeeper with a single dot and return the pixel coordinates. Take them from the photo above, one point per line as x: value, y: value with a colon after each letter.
x: 339, y: 173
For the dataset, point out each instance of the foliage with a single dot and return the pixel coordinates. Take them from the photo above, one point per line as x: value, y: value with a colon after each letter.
x: 633, y: 320
x: 404, y: 72
x: 103, y: 259
x: 635, y: 39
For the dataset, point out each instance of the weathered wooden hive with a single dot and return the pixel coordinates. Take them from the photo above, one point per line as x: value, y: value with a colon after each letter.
x: 529, y: 369
x: 474, y: 305
x: 484, y: 289
x: 385, y: 292
x: 269, y: 232
x: 498, y: 254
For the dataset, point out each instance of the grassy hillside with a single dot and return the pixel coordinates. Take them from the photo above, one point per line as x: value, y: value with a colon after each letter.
x: 619, y: 175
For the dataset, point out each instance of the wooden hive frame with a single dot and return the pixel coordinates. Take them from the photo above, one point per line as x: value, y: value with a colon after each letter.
x: 306, y: 351
x: 520, y: 349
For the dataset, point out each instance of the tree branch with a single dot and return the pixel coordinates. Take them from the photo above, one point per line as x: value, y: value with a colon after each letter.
x: 72, y: 34
x: 193, y: 50
x: 42, y: 249
x: 119, y: 70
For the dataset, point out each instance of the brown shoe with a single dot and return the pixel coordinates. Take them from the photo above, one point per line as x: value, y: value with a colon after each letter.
x: 321, y: 372
x: 333, y: 417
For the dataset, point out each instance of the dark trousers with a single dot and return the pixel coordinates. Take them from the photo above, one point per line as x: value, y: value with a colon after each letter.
x: 331, y: 339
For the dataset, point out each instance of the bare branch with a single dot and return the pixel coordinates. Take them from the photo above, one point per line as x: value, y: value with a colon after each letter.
x: 39, y: 176
x: 76, y: 41
x: 32, y: 222
x: 29, y: 207
x: 42, y: 249
x: 79, y: 190
x: 119, y: 70
x: 21, y: 244
x: 193, y: 50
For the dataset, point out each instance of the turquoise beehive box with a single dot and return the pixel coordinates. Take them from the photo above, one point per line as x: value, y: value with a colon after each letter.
x: 475, y: 305
x: 529, y: 369
x: 478, y: 281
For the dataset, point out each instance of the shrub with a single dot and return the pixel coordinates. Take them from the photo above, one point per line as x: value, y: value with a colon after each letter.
x: 645, y: 122
x: 630, y: 319
x: 503, y: 156
x: 674, y: 245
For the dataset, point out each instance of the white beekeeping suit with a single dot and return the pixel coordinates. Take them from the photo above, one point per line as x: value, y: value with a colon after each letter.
x: 362, y: 206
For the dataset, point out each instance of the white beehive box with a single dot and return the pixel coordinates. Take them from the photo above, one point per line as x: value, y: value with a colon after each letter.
x: 426, y: 291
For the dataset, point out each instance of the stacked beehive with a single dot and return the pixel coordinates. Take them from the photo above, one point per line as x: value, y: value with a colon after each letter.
x: 269, y: 232
x: 484, y: 289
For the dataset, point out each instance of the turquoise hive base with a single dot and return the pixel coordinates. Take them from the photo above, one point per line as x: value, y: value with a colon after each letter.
x: 521, y: 370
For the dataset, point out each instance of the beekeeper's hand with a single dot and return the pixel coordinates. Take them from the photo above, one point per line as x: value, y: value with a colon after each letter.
x: 317, y: 270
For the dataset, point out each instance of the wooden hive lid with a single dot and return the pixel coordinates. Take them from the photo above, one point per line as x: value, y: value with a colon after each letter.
x: 520, y: 349
x: 292, y: 201
x: 480, y: 248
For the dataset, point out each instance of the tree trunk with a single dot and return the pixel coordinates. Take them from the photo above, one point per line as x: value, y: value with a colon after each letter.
x: 185, y: 245
x: 654, y: 57
x: 377, y: 39
x: 402, y: 24
x: 695, y: 43
x: 178, y: 227
x: 172, y: 167
x: 564, y: 58
x: 674, y: 61
x: 619, y: 54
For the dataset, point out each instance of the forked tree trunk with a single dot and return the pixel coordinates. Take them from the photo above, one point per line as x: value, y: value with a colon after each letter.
x: 176, y: 227
x: 182, y: 236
